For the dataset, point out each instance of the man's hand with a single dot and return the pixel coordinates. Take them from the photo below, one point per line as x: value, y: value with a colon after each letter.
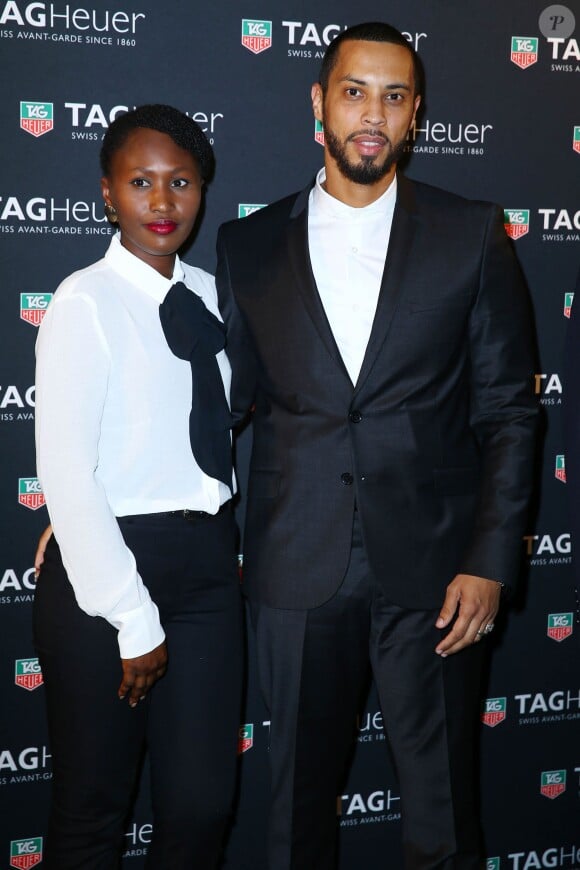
x: 475, y: 602
x: 140, y: 673
x: 40, y: 549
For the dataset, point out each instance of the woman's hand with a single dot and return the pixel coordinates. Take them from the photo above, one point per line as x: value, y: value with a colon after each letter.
x: 40, y: 549
x: 140, y: 673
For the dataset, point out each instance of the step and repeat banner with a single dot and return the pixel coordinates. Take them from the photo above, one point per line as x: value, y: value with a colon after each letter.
x: 500, y: 121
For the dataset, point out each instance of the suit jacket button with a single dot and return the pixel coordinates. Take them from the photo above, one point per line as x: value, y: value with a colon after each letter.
x: 355, y: 416
x: 346, y: 478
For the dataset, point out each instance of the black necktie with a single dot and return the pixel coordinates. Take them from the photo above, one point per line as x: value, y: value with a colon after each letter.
x: 193, y: 333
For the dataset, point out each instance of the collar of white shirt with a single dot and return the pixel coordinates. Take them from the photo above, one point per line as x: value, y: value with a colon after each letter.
x: 328, y: 205
x: 138, y: 273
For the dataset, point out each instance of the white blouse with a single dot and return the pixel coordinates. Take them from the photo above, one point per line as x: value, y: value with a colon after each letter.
x: 112, y: 430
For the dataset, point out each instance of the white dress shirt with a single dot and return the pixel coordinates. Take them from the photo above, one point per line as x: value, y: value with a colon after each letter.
x: 112, y: 430
x: 348, y: 247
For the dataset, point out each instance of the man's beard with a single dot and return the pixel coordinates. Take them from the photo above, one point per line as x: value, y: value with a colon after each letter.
x: 368, y: 170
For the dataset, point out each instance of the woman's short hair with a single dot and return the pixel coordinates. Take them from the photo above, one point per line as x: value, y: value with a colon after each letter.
x: 165, y: 119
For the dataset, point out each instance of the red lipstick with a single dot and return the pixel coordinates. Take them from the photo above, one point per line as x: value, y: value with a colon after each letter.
x: 162, y: 228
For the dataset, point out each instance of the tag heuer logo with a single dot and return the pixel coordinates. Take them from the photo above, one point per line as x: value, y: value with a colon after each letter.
x: 26, y: 853
x: 246, y: 738
x: 27, y: 674
x: 319, y: 132
x: 524, y: 51
x: 568, y: 300
x: 247, y: 208
x: 516, y: 222
x: 33, y: 307
x: 256, y: 35
x: 492, y: 863
x: 36, y: 118
x: 29, y: 493
x: 576, y: 140
x: 493, y: 711
x: 560, y: 469
x: 560, y: 625
x: 553, y: 783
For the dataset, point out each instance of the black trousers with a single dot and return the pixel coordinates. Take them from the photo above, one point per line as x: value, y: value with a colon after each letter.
x: 314, y: 670
x: 189, y: 721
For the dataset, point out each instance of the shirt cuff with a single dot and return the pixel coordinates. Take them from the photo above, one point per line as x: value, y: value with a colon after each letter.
x: 139, y: 630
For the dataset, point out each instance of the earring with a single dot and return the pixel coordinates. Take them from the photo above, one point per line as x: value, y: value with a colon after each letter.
x: 111, y: 214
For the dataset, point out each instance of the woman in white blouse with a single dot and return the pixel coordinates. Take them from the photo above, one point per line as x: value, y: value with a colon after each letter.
x: 137, y: 617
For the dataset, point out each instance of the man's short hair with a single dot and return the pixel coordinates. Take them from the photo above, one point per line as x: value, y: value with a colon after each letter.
x: 371, y: 31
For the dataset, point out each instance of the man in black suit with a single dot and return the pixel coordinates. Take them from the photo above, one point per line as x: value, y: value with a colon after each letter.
x: 380, y: 327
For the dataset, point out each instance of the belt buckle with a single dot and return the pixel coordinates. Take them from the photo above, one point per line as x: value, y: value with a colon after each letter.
x: 191, y: 515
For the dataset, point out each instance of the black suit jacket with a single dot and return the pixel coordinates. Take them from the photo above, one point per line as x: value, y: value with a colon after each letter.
x: 434, y: 442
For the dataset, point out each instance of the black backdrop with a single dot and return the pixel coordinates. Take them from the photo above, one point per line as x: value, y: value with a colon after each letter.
x: 501, y: 121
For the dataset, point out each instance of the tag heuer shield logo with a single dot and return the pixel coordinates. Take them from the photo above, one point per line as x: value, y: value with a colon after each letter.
x: 246, y: 738
x: 33, y: 307
x: 27, y: 674
x: 560, y: 626
x: 560, y: 469
x: 494, y: 711
x: 256, y: 35
x: 516, y: 222
x: 576, y: 140
x: 248, y: 208
x: 568, y: 300
x: 553, y: 783
x: 318, y: 132
x: 492, y: 863
x: 36, y: 118
x: 524, y: 51
x: 26, y: 853
x: 29, y: 493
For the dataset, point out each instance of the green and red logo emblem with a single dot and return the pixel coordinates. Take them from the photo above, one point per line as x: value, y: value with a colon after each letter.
x: 36, y: 118
x: 553, y: 783
x: 30, y: 493
x: 246, y: 738
x: 560, y: 469
x: 568, y: 300
x: 26, y: 853
x: 318, y: 132
x: 493, y: 711
x: 576, y: 140
x: 33, y: 307
x: 256, y: 35
x: 516, y: 222
x: 27, y: 674
x: 560, y: 626
x: 524, y: 51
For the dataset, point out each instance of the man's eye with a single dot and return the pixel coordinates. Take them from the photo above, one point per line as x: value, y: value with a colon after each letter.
x: 140, y: 182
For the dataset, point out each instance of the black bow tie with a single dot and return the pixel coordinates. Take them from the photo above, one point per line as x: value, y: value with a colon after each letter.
x: 193, y: 333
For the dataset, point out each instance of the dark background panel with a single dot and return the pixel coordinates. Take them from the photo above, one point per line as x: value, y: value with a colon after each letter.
x: 487, y: 129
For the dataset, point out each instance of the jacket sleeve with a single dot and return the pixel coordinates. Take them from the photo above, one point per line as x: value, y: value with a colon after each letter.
x: 503, y: 408
x: 239, y: 345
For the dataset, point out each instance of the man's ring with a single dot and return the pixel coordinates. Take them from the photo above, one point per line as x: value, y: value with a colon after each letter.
x: 488, y: 628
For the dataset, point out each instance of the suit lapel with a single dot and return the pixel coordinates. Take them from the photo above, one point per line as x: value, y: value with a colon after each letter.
x: 299, y: 256
x: 399, y: 252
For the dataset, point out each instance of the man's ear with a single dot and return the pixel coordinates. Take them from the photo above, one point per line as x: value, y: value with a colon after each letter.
x: 317, y: 99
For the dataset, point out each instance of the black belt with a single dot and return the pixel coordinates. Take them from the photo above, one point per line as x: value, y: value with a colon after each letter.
x: 189, y: 514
